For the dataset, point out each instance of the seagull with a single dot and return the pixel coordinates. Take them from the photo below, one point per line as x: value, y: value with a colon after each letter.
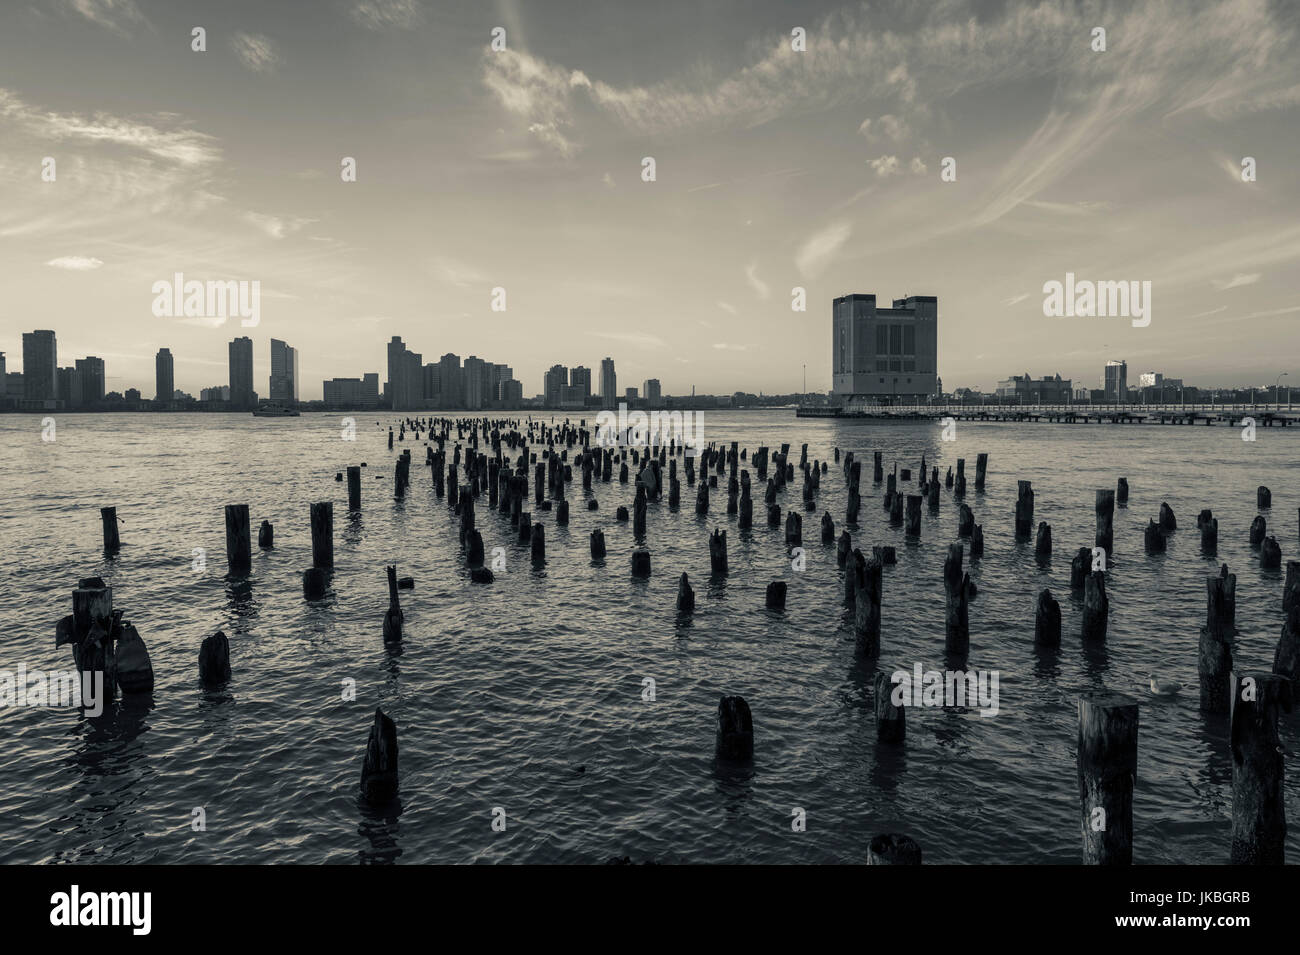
x: 1165, y: 687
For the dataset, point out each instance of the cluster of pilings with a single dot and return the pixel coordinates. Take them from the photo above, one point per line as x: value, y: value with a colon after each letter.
x: 499, y: 459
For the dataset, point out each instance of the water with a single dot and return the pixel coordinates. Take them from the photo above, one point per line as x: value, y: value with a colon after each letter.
x: 501, y: 692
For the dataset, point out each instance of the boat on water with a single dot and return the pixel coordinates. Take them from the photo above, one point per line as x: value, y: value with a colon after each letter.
x: 275, y: 411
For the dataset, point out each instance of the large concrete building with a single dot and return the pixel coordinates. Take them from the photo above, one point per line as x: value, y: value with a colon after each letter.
x: 91, y: 371
x: 1114, y: 381
x: 554, y: 382
x: 608, y: 384
x: 242, y: 395
x: 164, y: 367
x: 349, y: 393
x: 651, y: 390
x: 40, y: 365
x: 884, y: 355
x: 284, y: 373
x: 1048, y: 390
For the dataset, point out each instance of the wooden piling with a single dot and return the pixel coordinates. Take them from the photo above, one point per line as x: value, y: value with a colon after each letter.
x: 322, y: 534
x: 685, y: 595
x: 1043, y: 540
x: 1258, y: 804
x: 981, y: 465
x: 537, y: 543
x: 239, y: 551
x: 866, y: 611
x: 775, y: 597
x: 641, y: 562
x: 1286, y: 657
x: 266, y: 535
x: 956, y: 614
x: 913, y: 519
x: 1105, y: 513
x: 843, y: 547
x: 1107, y: 762
x: 735, y: 738
x: 893, y: 849
x: 315, y: 583
x: 1263, y: 497
x: 393, y: 616
x: 718, y: 552
x: 379, y: 769
x: 1167, y: 520
x: 598, y: 544
x: 108, y: 518
x: 1096, y: 608
x: 214, y: 660
x: 1047, y: 620
x: 354, y: 488
x: 1121, y: 492
x: 1270, y: 554
x: 891, y: 722
x: 1154, y: 538
x: 1080, y: 567
x: 1024, y: 510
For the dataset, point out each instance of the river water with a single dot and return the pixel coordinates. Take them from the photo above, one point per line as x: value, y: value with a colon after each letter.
x: 525, y: 697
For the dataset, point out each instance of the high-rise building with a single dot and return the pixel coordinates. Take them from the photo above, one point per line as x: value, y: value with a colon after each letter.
x: 284, y: 373
x: 510, y: 393
x: 476, y: 383
x: 580, y: 382
x: 215, y: 393
x: 885, y: 355
x: 1114, y: 381
x: 650, y: 390
x: 554, y: 382
x: 70, y: 387
x: 630, y: 395
x: 164, y: 375
x: 91, y: 370
x: 432, y: 390
x: 608, y: 383
x: 405, y: 387
x: 40, y: 365
x: 453, y: 381
x: 242, y: 395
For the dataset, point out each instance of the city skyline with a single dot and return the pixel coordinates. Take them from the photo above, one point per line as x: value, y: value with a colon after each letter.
x: 521, y: 169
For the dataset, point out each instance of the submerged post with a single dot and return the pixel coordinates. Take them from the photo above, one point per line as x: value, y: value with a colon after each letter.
x: 239, y: 547
x: 735, y: 741
x: 1258, y: 805
x: 1107, y: 758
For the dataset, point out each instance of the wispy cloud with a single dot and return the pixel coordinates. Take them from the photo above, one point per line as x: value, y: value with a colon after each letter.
x: 385, y: 14
x: 1237, y: 281
x: 820, y: 248
x: 255, y: 51
x: 276, y: 227
x: 728, y: 307
x: 757, y: 284
x: 76, y: 263
x: 1016, y: 299
x: 115, y: 15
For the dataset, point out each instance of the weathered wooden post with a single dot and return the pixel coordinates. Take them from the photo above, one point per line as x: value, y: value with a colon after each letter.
x: 1263, y: 498
x: 1214, y: 655
x: 1107, y: 759
x: 891, y: 722
x: 639, y: 512
x: 1154, y: 538
x: 1047, y: 620
x: 641, y: 561
x: 1209, y: 528
x: 976, y: 541
x: 702, y: 498
x: 597, y: 544
x: 718, y: 552
x: 214, y: 660
x: 866, y: 611
x: 1258, y: 804
x: 893, y: 848
x: 239, y: 547
x: 393, y: 616
x: 913, y: 521
x: 1096, y: 607
x: 1121, y: 492
x: 1024, y: 510
x: 354, y: 488
x: 315, y: 583
x: 877, y: 468
x: 1258, y: 528
x: 956, y: 614
x: 1167, y: 520
x: 855, y: 500
x: 685, y: 595
x: 474, y: 549
x: 1043, y: 540
x: 828, y: 528
x: 775, y: 597
x: 379, y: 770
x: 537, y: 543
x: 1080, y: 567
x: 981, y: 464
x: 525, y: 527
x: 108, y: 518
x: 735, y: 740
x: 843, y: 547
x: 1105, y: 511
x: 959, y: 489
x: 793, y: 529
x: 774, y: 515
x: 933, y: 489
x: 1286, y: 658
x: 896, y: 510
x: 266, y: 535
x: 965, y: 520
x: 322, y: 534
x: 134, y: 670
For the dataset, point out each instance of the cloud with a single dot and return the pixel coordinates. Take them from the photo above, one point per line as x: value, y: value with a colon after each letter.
x: 918, y: 166
x: 75, y: 263
x: 728, y: 307
x: 1237, y: 281
x: 535, y: 91
x: 637, y: 339
x: 758, y: 285
x: 276, y: 227
x: 457, y: 273
x: 820, y: 247
x: 385, y: 14
x: 1016, y: 299
x: 885, y: 165
x: 887, y: 127
x: 114, y: 15
x: 608, y: 180
x: 725, y: 346
x: 255, y: 51
x: 178, y: 145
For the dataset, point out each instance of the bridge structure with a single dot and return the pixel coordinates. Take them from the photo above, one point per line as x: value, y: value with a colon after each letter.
x: 1264, y: 415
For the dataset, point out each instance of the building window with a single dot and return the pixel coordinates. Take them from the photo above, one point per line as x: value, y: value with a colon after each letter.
x: 909, y: 364
x: 909, y: 340
x: 882, y: 339
x: 882, y: 381
x: 895, y: 365
x: 895, y: 340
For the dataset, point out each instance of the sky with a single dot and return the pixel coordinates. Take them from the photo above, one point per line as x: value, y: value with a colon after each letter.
x: 775, y: 168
